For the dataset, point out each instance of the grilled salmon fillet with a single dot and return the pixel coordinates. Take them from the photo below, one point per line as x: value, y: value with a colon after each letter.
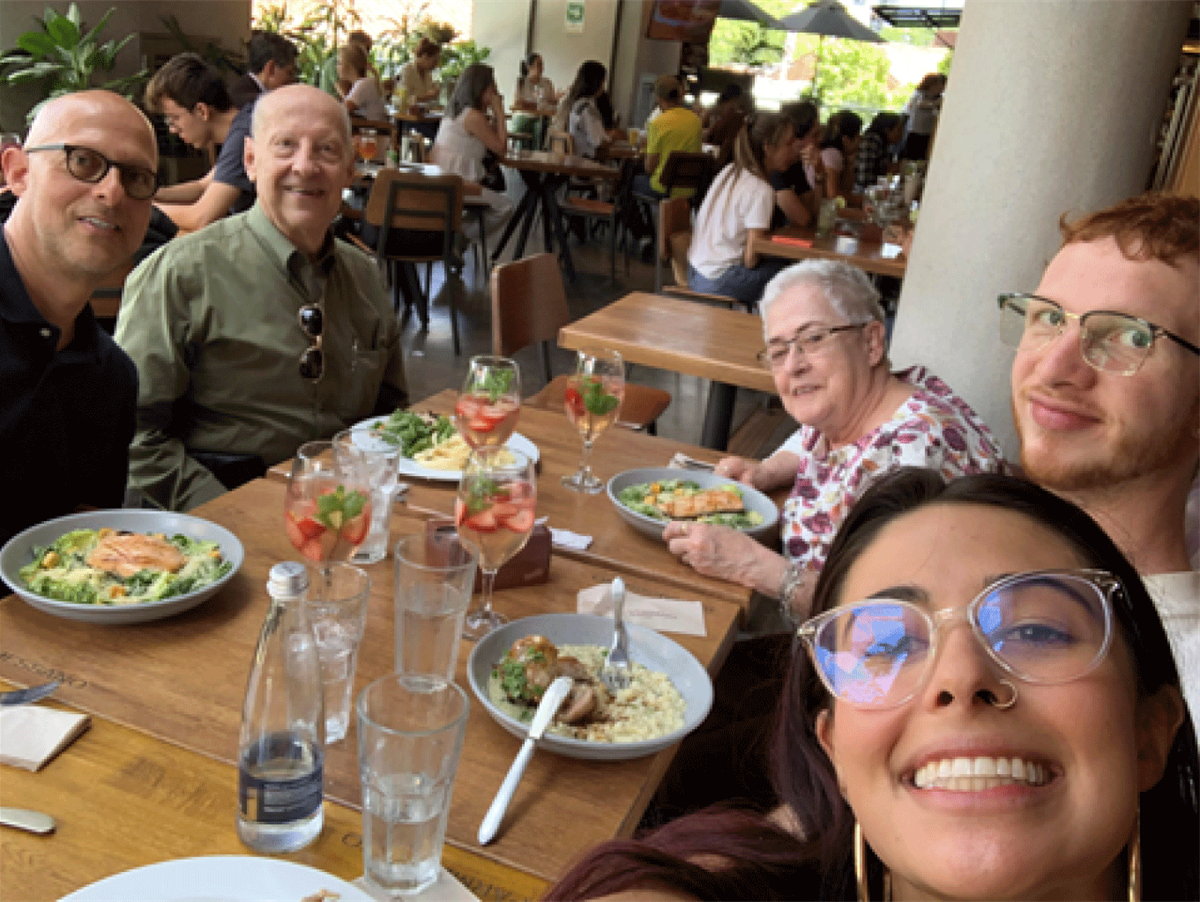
x: 713, y: 501
x: 128, y: 553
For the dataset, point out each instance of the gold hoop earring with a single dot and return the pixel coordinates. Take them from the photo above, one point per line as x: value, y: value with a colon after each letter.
x: 861, y: 877
x: 1135, y: 859
x: 1012, y: 701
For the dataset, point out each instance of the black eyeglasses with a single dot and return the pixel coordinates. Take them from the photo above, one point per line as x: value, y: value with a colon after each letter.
x: 91, y: 166
x: 1048, y: 627
x: 312, y: 361
x: 1116, y: 342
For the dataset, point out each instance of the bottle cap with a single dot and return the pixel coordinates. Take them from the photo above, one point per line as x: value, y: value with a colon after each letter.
x: 287, y: 579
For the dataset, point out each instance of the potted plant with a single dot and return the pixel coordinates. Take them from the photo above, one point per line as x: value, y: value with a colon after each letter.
x: 455, y: 58
x: 66, y: 56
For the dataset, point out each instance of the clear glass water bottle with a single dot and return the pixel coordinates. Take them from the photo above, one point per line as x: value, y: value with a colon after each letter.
x: 281, y: 747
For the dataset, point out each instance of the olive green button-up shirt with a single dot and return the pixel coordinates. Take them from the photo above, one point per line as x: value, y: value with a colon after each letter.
x: 211, y: 321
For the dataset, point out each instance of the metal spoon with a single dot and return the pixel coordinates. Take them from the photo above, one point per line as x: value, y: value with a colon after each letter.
x: 615, y: 672
x: 24, y: 819
x: 25, y: 696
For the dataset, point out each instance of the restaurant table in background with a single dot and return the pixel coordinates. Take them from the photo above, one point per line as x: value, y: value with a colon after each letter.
x: 683, y: 336
x: 544, y: 173
x: 182, y: 680
x: 867, y: 253
x: 124, y: 799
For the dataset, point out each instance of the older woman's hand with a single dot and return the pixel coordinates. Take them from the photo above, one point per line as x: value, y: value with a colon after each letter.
x: 725, y: 553
x: 738, y: 469
x: 776, y: 472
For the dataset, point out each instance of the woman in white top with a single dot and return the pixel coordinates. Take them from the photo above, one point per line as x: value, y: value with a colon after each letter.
x: 534, y: 91
x: 738, y: 209
x: 922, y: 112
x: 416, y: 75
x: 473, y: 125
x: 584, y: 123
x: 365, y: 97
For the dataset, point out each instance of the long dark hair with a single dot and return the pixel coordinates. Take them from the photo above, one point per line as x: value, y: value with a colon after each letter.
x: 882, y: 124
x: 760, y: 860
x: 842, y: 126
x: 471, y: 86
x: 588, y: 81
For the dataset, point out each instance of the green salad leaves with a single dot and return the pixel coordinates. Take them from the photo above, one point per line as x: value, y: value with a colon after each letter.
x: 635, y: 497
x: 414, y: 432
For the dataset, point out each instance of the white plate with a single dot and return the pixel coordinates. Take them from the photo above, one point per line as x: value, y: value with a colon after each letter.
x: 18, y: 552
x: 412, y: 469
x: 648, y: 526
x: 647, y: 647
x: 218, y: 878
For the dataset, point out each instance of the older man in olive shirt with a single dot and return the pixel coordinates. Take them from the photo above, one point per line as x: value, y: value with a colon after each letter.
x: 260, y: 332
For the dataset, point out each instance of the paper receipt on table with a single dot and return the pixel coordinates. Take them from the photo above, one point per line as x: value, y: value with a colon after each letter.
x: 667, y: 615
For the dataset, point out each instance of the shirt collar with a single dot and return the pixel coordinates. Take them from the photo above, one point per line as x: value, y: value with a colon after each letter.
x: 290, y: 259
x: 16, y: 306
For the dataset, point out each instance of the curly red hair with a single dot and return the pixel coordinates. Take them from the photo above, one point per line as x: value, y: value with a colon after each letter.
x: 1151, y: 226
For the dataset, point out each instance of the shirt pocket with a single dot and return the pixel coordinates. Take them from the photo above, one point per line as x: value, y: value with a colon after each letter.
x: 367, y: 369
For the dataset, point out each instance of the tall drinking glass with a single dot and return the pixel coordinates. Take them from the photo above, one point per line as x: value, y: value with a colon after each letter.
x: 494, y: 513
x: 360, y: 451
x: 435, y: 573
x: 326, y: 513
x: 489, y: 403
x: 410, y: 736
x: 337, y: 602
x: 593, y: 400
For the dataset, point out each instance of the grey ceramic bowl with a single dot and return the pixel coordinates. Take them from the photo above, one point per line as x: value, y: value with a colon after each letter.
x: 754, y: 499
x: 18, y: 552
x: 646, y: 647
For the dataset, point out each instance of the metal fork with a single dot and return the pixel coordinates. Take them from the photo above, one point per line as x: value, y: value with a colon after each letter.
x: 684, y: 462
x: 615, y: 672
x: 25, y: 696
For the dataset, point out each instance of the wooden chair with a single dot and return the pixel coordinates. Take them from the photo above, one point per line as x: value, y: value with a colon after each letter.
x: 529, y: 305
x: 610, y: 212
x: 413, y: 202
x: 689, y: 170
x: 560, y: 142
x: 674, y: 239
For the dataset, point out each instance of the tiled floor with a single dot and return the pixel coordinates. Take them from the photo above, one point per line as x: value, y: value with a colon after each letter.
x: 432, y: 365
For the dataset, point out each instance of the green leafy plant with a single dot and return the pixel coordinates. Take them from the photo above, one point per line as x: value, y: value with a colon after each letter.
x: 212, y: 53
x: 64, y: 53
x: 456, y: 58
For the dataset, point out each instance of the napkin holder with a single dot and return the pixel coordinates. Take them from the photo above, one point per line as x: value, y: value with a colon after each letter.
x: 529, y: 567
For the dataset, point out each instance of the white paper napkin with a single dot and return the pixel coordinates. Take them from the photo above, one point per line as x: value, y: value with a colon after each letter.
x: 447, y: 888
x: 564, y: 538
x: 667, y: 615
x: 31, y: 735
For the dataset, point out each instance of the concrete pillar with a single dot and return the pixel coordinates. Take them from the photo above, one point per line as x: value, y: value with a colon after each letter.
x: 1052, y: 106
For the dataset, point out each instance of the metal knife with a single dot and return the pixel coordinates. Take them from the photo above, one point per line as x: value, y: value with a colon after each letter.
x: 551, y: 700
x: 23, y: 819
x: 25, y: 696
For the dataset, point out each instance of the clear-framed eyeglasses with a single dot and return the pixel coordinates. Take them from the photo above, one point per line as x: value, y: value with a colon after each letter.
x: 807, y: 343
x: 1046, y: 627
x: 1112, y: 342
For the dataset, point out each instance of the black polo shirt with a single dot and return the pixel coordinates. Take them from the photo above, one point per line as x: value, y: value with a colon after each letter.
x: 66, y: 417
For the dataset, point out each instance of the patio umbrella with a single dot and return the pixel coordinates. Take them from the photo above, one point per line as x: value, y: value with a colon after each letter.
x: 828, y: 18
x: 747, y: 12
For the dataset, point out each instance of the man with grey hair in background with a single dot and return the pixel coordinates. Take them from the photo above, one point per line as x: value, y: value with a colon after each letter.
x: 83, y: 181
x: 261, y: 331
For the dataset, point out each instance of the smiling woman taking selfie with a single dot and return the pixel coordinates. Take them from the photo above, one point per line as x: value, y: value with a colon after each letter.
x: 984, y: 707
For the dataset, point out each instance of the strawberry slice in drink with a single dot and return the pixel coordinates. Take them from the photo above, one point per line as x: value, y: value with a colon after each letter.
x: 354, y: 530
x: 484, y: 521
x: 520, y: 521
x: 573, y: 401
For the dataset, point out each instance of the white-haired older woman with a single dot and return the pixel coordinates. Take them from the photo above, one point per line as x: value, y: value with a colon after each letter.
x: 827, y: 349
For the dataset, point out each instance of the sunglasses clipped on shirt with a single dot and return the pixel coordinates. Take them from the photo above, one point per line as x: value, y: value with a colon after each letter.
x: 312, y: 361
x: 91, y: 166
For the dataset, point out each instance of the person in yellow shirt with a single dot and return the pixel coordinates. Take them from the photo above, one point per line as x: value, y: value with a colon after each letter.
x: 675, y: 128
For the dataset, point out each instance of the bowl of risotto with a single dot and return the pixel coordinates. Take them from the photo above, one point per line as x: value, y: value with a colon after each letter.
x: 669, y: 695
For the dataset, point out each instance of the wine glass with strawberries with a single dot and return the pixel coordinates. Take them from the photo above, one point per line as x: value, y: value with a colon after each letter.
x: 326, y: 511
x: 592, y: 401
x: 489, y: 403
x: 494, y: 513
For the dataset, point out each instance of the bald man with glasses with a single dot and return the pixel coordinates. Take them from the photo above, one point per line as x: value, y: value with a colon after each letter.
x: 1106, y: 392
x: 83, y: 182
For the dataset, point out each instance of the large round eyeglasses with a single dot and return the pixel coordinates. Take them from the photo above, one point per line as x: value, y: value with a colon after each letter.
x: 1115, y: 342
x: 1049, y: 626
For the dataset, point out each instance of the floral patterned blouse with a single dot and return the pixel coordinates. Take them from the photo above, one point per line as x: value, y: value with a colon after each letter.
x: 933, y: 428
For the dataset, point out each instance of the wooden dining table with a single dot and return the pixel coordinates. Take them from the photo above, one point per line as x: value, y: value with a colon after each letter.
x: 181, y: 681
x: 544, y: 173
x: 123, y: 798
x: 684, y: 336
x: 852, y: 242
x: 615, y: 543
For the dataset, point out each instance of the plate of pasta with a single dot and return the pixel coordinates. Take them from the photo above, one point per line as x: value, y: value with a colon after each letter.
x: 430, y: 446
